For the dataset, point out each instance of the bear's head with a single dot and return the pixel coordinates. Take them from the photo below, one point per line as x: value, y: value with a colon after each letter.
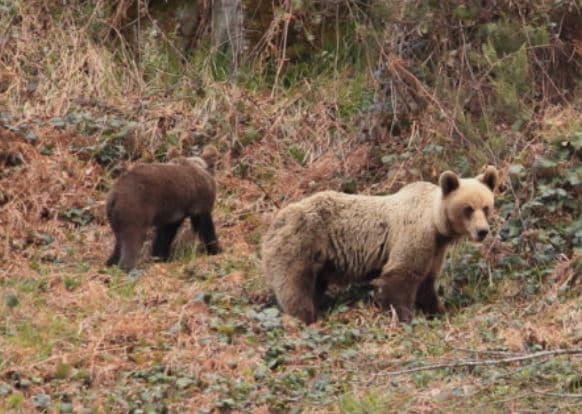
x: 468, y: 202
x: 210, y: 156
x: 193, y: 161
x: 207, y: 160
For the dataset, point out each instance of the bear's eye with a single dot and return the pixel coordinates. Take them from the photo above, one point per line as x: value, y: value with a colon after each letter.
x: 486, y: 211
x: 467, y: 211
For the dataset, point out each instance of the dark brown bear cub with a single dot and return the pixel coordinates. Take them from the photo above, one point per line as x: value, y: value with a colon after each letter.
x: 162, y: 195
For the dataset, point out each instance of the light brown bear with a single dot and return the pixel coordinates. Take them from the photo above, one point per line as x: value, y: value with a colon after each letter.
x: 162, y: 195
x: 397, y: 241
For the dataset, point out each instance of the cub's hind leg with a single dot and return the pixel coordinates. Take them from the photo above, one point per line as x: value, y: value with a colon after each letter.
x: 163, y: 242
x: 114, y: 257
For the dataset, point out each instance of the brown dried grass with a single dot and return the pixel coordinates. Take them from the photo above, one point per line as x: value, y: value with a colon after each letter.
x: 107, y: 332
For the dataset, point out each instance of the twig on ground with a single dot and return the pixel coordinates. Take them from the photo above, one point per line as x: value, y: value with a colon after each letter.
x: 504, y: 400
x: 486, y: 351
x: 65, y: 356
x: 486, y: 362
x: 559, y: 395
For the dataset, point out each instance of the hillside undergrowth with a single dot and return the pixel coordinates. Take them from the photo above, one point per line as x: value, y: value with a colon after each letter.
x: 361, y: 97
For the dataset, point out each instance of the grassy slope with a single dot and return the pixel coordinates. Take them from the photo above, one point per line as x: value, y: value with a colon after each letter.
x: 201, y: 333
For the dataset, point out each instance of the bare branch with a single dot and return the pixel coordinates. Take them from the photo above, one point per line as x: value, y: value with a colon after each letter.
x: 486, y: 362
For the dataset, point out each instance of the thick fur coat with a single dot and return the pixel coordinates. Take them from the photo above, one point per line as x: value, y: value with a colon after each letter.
x: 398, y: 242
x: 162, y: 195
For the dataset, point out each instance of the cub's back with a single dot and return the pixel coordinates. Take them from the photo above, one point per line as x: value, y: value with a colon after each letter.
x: 162, y: 186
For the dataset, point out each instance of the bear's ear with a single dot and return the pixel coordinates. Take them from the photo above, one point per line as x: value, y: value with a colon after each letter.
x: 210, y: 155
x: 448, y: 182
x: 489, y: 177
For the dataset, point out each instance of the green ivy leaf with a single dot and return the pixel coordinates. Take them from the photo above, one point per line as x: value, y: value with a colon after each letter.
x: 12, y: 300
x: 58, y: 123
x: 41, y: 401
x: 544, y: 164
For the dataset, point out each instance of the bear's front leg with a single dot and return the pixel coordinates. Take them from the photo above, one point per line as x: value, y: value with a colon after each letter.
x: 165, y: 234
x: 427, y: 298
x: 399, y: 290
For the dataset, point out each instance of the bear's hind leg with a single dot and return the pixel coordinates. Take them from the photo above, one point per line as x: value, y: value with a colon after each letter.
x: 300, y: 306
x: 296, y: 294
x: 131, y: 241
x: 203, y: 225
x: 163, y: 242
x: 114, y: 257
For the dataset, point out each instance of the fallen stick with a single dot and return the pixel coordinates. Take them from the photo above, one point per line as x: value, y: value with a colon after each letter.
x: 559, y: 395
x: 486, y: 362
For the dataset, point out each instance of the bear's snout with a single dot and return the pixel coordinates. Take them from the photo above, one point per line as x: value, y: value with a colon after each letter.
x: 482, y: 233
